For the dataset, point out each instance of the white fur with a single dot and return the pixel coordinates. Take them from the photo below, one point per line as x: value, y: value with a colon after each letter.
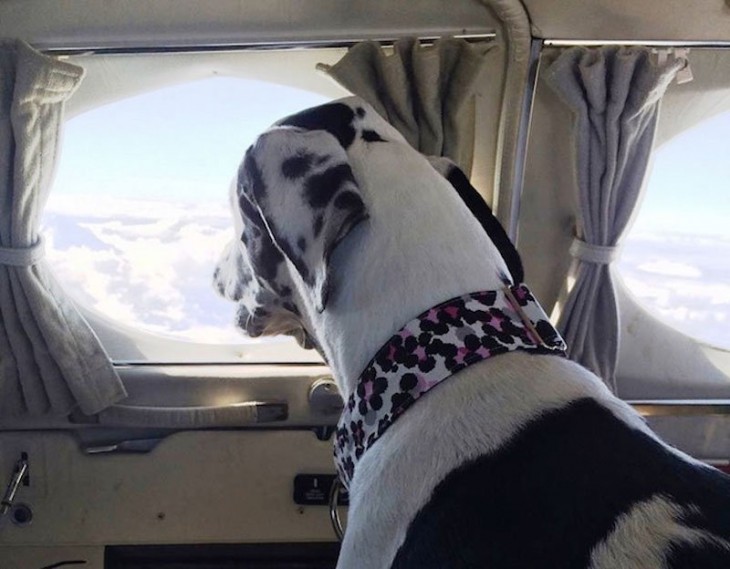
x: 642, y: 537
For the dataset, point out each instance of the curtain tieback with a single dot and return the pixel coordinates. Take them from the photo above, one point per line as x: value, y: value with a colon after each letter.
x: 590, y: 253
x: 22, y: 256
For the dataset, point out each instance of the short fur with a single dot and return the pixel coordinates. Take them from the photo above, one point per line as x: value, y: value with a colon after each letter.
x: 345, y: 233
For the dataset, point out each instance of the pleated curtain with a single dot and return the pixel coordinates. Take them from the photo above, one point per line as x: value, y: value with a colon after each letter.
x: 426, y: 92
x: 614, y: 93
x: 51, y: 363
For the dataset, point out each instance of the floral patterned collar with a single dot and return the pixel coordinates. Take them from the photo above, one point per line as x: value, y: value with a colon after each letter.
x: 429, y: 349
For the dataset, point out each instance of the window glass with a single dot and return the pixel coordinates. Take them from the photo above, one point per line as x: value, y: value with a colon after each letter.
x: 138, y: 213
x: 676, y: 258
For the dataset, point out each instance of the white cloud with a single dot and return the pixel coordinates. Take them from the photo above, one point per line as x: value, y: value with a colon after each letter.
x: 150, y: 264
x: 215, y: 335
x: 146, y: 266
x: 671, y: 269
x: 105, y: 205
x: 684, y: 280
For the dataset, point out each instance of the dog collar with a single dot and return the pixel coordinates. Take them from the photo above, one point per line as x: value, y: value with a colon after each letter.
x: 432, y: 347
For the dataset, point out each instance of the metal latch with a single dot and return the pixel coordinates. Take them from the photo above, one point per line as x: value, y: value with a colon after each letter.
x: 19, y: 474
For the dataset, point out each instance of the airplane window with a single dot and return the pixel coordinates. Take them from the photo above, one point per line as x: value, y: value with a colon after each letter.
x: 675, y: 258
x: 138, y: 213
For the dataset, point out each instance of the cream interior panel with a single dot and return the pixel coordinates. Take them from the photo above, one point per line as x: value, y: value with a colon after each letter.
x: 195, y: 487
x: 92, y: 24
x: 43, y: 557
x: 546, y: 207
x: 488, y: 96
x: 630, y: 20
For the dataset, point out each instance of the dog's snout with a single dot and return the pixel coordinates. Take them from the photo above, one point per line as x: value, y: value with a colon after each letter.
x: 231, y: 275
x: 245, y: 321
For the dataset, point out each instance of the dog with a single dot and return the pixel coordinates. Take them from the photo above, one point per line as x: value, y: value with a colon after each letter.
x: 343, y: 235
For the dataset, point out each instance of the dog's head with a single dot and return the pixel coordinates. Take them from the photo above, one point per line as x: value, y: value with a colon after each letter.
x: 294, y: 200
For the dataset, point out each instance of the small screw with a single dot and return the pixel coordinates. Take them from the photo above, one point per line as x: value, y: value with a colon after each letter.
x: 22, y: 515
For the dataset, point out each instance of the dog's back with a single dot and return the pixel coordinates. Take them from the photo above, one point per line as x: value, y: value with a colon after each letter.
x: 558, y: 473
x: 576, y: 487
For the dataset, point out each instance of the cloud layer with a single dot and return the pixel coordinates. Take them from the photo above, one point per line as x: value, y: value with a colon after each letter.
x: 685, y: 280
x: 142, y: 263
x: 149, y: 265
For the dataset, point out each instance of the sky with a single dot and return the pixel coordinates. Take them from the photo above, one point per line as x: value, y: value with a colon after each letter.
x: 139, y: 211
x: 183, y: 142
x: 689, y: 182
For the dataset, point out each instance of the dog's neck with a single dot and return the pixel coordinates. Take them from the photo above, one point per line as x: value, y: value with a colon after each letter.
x: 431, y: 348
x: 407, y: 257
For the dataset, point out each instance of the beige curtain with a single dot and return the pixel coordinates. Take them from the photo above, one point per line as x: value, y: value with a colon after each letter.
x: 427, y: 93
x: 614, y: 94
x: 50, y: 360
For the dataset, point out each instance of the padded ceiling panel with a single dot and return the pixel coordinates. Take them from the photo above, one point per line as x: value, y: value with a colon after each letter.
x: 676, y: 20
x: 126, y: 23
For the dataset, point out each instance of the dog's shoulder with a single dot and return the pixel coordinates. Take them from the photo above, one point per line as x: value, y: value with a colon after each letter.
x: 574, y: 488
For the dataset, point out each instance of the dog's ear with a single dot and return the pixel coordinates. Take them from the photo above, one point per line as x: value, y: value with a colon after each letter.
x: 302, y: 185
x: 483, y: 213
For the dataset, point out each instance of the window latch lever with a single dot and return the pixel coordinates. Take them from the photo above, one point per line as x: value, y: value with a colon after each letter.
x: 21, y: 470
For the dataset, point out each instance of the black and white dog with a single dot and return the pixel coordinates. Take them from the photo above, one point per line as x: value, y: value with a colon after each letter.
x: 358, y: 246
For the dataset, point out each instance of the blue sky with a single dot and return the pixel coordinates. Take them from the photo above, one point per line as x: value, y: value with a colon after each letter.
x: 688, y: 189
x: 180, y: 142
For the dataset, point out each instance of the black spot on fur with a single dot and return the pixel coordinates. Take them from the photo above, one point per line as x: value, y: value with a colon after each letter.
x: 266, y: 260
x: 297, y: 166
x: 318, y: 224
x: 334, y: 118
x: 296, y: 260
x: 260, y: 312
x: 707, y: 556
x: 348, y: 200
x: 371, y: 136
x: 491, y: 225
x: 248, y: 211
x: 244, y: 277
x: 265, y: 257
x: 291, y: 307
x: 302, y: 244
x: 554, y: 491
x: 320, y: 188
x: 360, y: 112
x: 252, y: 177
